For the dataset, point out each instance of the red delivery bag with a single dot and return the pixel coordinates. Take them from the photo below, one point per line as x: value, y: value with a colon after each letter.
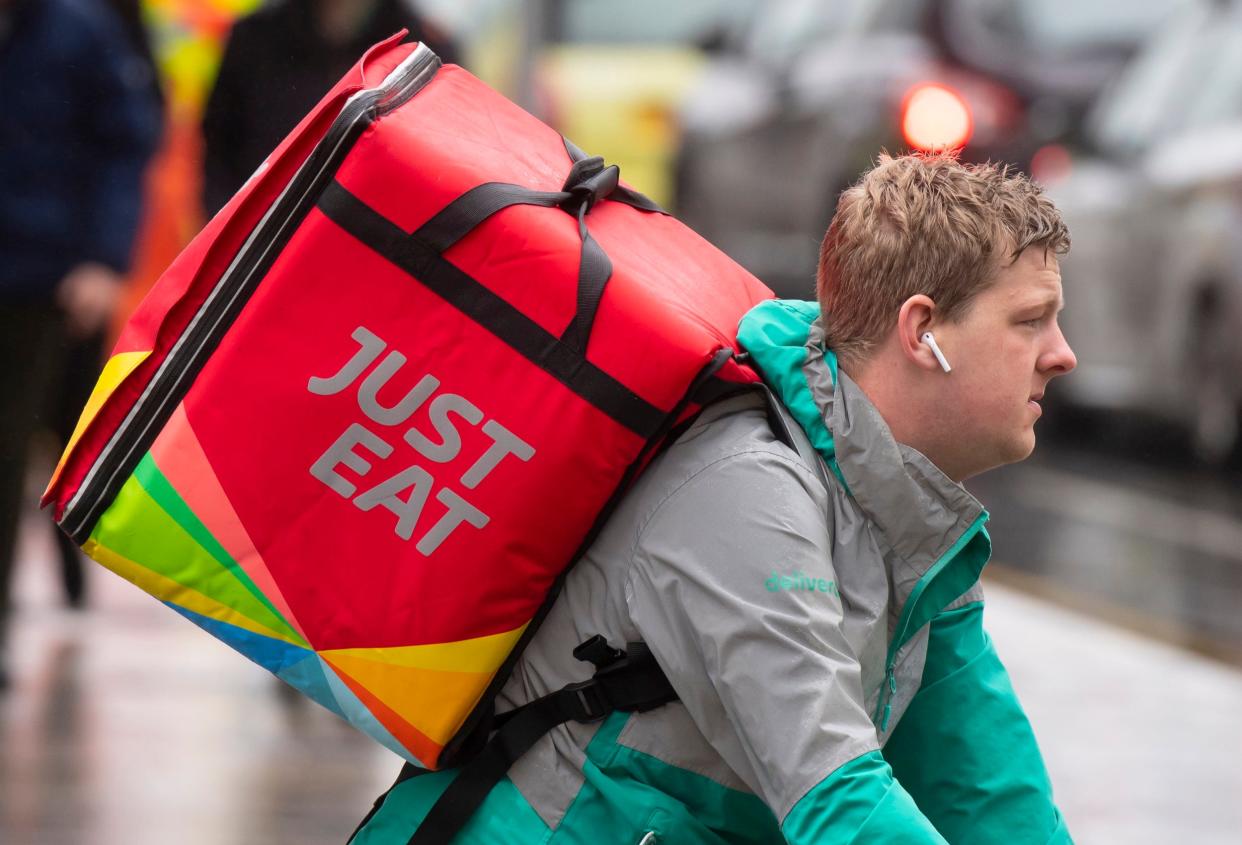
x: 366, y: 420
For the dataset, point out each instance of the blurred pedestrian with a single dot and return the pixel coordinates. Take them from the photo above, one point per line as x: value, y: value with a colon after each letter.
x: 78, y: 123
x: 83, y: 356
x: 279, y: 61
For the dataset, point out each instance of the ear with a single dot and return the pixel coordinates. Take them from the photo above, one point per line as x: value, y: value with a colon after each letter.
x: 917, y: 315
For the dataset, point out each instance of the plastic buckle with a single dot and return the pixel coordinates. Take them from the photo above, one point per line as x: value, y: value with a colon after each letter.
x: 588, y: 182
x: 597, y: 652
x: 591, y: 699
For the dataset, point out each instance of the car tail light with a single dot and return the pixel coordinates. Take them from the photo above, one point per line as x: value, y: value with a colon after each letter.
x: 935, y: 117
x: 1051, y: 163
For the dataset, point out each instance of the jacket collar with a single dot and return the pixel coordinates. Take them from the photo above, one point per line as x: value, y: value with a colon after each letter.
x: 920, y: 511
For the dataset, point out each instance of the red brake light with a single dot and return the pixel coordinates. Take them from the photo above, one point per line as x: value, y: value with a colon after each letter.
x: 935, y: 117
x: 1051, y: 163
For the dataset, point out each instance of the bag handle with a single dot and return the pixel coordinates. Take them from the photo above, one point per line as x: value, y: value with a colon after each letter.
x: 589, y: 181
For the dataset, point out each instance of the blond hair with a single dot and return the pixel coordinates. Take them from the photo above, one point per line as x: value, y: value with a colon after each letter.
x: 924, y: 224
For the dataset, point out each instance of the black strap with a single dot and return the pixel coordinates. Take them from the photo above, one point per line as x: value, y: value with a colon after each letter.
x: 594, y: 271
x: 491, y: 311
x: 589, y: 182
x: 633, y: 683
x: 619, y: 193
x: 717, y: 389
x: 408, y: 771
x: 460, y: 217
x: 712, y: 388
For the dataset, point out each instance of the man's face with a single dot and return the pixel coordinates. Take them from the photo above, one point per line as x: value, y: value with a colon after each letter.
x: 1004, y: 351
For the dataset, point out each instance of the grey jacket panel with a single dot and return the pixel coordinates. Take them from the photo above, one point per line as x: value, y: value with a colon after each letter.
x: 670, y: 734
x: 974, y: 594
x: 767, y: 674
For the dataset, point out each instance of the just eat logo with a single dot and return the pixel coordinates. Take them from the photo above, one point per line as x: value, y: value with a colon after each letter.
x: 456, y: 425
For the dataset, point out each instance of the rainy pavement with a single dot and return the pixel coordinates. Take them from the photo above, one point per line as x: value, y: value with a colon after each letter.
x: 125, y: 723
x: 1154, y: 546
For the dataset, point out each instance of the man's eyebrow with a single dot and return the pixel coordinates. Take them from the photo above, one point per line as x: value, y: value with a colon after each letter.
x: 1044, y: 303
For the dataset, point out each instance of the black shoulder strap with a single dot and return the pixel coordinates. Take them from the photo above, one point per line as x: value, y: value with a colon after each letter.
x: 715, y: 389
x: 629, y: 680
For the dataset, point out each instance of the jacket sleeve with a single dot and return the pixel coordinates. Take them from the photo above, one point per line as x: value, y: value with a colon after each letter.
x: 964, y: 748
x: 225, y: 116
x: 732, y: 587
x: 122, y: 115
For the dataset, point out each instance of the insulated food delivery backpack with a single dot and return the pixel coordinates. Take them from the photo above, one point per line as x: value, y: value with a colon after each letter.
x: 365, y: 422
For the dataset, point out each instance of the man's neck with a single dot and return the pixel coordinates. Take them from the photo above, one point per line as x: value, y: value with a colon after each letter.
x: 911, y: 416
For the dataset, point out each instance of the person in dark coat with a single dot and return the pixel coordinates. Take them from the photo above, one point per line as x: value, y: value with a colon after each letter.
x: 279, y: 62
x: 84, y: 355
x: 78, y: 124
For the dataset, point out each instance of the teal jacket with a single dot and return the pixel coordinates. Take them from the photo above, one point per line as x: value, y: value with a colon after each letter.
x: 818, y: 611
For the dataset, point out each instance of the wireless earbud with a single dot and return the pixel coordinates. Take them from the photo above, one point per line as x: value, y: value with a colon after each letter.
x: 930, y: 340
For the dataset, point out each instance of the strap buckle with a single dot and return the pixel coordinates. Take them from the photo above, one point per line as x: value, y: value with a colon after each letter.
x: 588, y: 182
x: 597, y: 652
x: 623, y: 680
x: 592, y: 705
x: 587, y: 697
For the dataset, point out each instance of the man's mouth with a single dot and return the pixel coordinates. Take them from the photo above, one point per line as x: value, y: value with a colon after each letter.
x: 1033, y: 401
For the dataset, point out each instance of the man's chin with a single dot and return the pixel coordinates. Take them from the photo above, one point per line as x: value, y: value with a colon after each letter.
x: 1010, y: 453
x: 1023, y: 448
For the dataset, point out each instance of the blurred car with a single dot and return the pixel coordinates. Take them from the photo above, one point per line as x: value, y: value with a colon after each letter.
x: 1154, y: 206
x: 813, y: 91
x: 609, y: 76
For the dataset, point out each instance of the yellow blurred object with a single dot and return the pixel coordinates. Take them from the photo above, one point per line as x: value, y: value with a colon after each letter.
x: 187, y: 39
x: 620, y: 102
x: 114, y: 372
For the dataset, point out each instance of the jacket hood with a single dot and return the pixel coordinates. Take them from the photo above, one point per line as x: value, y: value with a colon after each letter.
x: 776, y: 334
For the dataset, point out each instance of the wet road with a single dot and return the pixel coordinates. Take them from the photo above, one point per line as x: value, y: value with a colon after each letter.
x: 1154, y: 546
x: 126, y: 724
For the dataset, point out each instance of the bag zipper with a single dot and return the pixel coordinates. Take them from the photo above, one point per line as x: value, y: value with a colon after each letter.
x: 172, y: 380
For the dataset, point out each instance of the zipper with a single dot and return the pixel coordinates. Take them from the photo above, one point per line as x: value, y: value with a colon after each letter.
x: 884, y: 703
x: 172, y: 380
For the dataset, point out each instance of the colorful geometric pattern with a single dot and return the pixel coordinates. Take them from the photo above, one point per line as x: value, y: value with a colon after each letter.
x: 117, y: 369
x: 172, y: 531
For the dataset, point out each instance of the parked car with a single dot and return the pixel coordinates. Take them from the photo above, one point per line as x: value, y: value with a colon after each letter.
x: 813, y: 91
x: 1154, y: 205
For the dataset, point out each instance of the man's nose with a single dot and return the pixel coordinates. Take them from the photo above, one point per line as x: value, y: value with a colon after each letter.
x: 1059, y: 359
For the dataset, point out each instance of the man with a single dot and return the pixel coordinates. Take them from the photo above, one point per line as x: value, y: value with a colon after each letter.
x: 279, y: 61
x: 817, y: 609
x: 78, y: 122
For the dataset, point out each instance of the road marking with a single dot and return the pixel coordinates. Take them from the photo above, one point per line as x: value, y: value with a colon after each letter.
x: 1133, y: 511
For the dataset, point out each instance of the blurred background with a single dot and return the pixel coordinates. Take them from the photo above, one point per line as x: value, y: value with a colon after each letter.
x: 1116, y: 584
